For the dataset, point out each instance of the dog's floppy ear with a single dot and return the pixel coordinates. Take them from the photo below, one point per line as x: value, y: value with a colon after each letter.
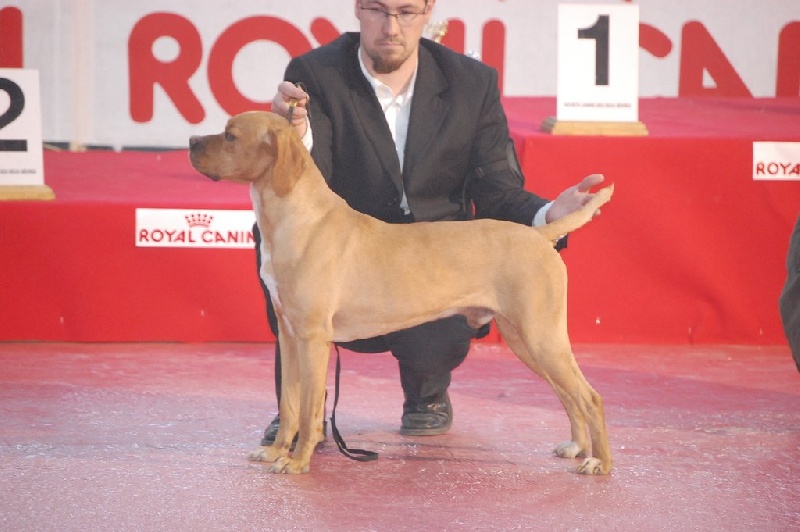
x: 289, y: 161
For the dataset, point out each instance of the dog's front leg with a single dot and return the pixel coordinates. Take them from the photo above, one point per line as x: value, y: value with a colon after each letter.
x: 302, y: 404
x: 289, y: 415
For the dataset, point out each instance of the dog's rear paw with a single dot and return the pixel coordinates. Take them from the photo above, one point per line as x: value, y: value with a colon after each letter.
x: 288, y: 466
x: 569, y: 449
x: 592, y: 466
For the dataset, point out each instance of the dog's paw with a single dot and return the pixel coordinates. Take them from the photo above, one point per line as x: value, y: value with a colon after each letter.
x: 568, y: 449
x: 591, y: 466
x: 288, y: 466
x: 264, y: 454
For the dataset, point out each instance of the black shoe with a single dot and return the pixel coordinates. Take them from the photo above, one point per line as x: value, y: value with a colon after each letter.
x: 427, y: 419
x: 483, y: 331
x: 272, y: 431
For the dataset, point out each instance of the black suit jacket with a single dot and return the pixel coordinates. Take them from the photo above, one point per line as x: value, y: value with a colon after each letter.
x: 458, y: 142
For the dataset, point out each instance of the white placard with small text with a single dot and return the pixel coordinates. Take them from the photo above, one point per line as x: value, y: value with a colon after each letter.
x: 21, y: 161
x: 598, y: 63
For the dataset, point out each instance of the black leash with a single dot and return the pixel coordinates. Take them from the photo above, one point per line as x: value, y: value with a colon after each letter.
x: 359, y: 455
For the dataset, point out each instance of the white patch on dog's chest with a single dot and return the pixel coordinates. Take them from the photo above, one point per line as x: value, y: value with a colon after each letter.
x: 267, y: 278
x: 266, y: 272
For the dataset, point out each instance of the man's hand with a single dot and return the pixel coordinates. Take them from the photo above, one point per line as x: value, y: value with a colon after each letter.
x: 573, y: 198
x: 290, y: 95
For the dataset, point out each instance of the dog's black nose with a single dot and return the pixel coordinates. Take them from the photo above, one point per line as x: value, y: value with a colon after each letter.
x: 194, y: 140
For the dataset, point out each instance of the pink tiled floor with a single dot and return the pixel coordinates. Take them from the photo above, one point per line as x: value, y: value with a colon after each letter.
x: 156, y: 437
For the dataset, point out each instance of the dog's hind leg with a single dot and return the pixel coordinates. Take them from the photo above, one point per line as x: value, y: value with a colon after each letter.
x: 590, y: 403
x: 579, y: 444
x: 568, y: 381
x: 552, y: 359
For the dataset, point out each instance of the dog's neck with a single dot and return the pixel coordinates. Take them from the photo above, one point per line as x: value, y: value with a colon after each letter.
x: 310, y: 194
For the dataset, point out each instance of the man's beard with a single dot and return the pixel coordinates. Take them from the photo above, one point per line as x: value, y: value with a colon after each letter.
x: 387, y: 65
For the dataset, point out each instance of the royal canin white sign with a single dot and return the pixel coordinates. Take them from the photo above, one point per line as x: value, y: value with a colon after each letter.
x: 194, y: 228
x: 154, y: 72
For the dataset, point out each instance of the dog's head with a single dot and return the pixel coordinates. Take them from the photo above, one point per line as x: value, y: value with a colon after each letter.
x: 255, y: 145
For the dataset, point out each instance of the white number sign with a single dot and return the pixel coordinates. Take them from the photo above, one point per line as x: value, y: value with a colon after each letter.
x: 598, y: 63
x: 21, y: 163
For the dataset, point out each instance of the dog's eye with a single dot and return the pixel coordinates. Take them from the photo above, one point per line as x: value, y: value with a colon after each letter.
x: 229, y: 136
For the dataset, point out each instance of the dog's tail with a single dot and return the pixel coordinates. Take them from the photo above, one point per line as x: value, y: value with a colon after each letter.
x: 572, y: 221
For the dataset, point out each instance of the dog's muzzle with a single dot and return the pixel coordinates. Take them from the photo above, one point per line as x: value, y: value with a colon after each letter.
x: 197, y: 147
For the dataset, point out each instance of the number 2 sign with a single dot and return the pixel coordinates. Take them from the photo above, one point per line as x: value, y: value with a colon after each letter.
x: 21, y: 163
x: 598, y: 63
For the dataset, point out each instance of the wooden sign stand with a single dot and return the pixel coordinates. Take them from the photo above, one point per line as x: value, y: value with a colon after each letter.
x: 620, y: 129
x: 26, y: 193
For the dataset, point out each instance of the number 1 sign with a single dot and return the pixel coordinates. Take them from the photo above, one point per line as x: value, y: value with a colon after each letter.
x: 598, y: 70
x: 21, y: 164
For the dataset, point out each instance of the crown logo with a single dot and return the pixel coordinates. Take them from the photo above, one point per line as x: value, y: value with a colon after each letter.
x: 199, y: 219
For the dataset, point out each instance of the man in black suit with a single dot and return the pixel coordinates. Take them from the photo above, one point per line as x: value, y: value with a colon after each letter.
x: 406, y: 130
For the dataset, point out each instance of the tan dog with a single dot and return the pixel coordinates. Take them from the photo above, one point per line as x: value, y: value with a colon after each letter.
x: 335, y: 274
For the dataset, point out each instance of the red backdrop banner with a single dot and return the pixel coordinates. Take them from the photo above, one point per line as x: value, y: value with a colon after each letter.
x: 691, y: 249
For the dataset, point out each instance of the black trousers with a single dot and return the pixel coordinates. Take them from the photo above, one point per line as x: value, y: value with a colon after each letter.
x: 426, y: 354
x: 789, y: 302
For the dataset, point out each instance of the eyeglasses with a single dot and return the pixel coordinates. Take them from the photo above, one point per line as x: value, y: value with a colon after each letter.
x: 403, y: 18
